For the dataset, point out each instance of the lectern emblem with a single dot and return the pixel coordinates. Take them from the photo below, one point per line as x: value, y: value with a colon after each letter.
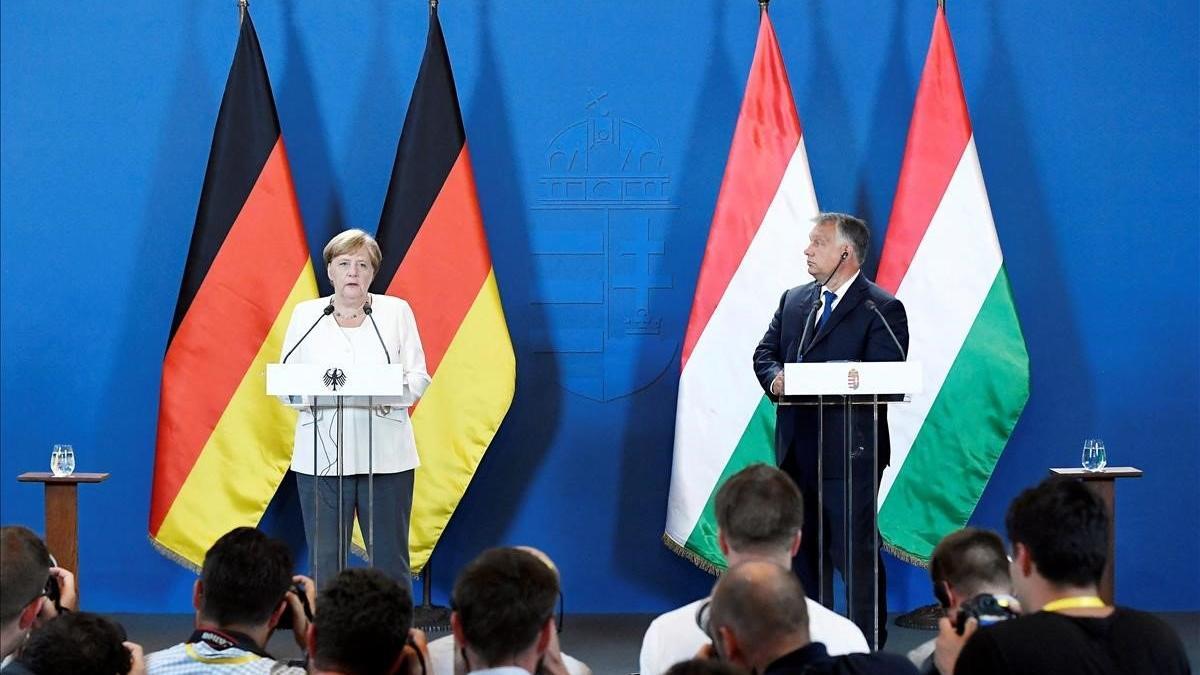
x: 334, y: 378
x: 852, y: 379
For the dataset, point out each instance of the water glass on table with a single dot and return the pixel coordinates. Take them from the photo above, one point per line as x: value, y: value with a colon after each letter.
x: 1094, y: 456
x: 62, y: 460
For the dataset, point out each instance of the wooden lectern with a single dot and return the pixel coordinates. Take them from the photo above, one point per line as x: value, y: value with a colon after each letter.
x: 1103, y: 484
x: 62, y: 514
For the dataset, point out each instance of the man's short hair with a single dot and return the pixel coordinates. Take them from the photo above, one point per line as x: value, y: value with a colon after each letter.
x: 1065, y: 528
x: 852, y: 230
x: 970, y: 560
x: 80, y: 643
x: 24, y: 570
x: 362, y: 622
x: 245, y: 576
x: 758, y: 508
x: 503, y: 598
x: 761, y: 603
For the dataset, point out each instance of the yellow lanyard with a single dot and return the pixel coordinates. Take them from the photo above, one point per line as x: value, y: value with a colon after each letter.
x: 1073, y: 603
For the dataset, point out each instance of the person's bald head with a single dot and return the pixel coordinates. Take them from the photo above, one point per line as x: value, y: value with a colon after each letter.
x: 763, y: 605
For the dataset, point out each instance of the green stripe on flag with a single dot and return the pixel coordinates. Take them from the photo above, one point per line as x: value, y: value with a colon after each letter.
x: 756, y: 446
x: 967, y: 428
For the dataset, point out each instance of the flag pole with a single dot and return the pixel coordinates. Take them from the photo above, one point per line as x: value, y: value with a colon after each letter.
x: 243, y: 5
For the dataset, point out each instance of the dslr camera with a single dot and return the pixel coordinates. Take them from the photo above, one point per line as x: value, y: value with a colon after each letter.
x: 987, y: 609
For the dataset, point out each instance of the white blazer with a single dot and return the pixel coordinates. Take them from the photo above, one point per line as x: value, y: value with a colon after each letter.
x: 395, y: 447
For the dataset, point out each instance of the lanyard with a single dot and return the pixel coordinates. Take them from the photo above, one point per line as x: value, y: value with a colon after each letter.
x: 1073, y: 603
x: 222, y: 640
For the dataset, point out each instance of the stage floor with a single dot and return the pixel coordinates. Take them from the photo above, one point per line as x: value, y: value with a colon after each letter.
x: 609, y: 643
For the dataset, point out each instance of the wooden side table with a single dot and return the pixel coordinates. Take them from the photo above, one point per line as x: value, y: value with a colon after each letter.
x: 62, y: 513
x: 1103, y: 484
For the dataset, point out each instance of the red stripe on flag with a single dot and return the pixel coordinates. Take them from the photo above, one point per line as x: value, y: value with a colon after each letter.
x: 764, y: 140
x: 225, y: 326
x: 447, y: 263
x: 937, y: 137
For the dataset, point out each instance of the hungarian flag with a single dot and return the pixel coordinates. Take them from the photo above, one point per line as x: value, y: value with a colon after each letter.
x: 942, y: 258
x: 724, y: 422
x: 435, y: 256
x: 223, y: 445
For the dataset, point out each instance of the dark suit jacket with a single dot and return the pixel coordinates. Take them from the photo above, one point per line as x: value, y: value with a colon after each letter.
x: 852, y: 333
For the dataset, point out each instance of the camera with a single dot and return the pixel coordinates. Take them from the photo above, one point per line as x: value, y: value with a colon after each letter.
x: 286, y: 620
x: 987, y: 609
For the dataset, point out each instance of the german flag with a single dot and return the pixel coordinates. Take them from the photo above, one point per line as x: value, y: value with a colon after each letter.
x: 223, y: 445
x: 435, y: 256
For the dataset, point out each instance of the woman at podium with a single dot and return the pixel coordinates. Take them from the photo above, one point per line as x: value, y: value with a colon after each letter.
x: 378, y: 452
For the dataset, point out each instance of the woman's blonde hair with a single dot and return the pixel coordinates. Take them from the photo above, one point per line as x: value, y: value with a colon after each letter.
x: 350, y: 241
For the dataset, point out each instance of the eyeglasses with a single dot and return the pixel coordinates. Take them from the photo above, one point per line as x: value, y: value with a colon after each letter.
x: 558, y: 620
x: 702, y: 617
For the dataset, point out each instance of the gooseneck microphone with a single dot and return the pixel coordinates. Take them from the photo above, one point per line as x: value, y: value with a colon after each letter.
x: 368, y: 311
x: 870, y: 304
x: 324, y: 313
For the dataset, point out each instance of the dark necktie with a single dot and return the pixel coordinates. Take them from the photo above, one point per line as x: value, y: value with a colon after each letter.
x: 830, y: 296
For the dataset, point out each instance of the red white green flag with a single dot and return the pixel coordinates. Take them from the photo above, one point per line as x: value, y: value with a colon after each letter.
x: 943, y: 259
x: 724, y: 422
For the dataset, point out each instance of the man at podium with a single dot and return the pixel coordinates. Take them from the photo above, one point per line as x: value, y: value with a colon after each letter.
x: 839, y: 316
x: 353, y: 327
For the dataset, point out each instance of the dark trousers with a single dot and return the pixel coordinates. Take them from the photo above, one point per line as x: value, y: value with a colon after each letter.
x: 393, y: 495
x: 865, y: 554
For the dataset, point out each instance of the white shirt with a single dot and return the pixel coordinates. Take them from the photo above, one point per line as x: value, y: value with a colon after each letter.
x: 838, y: 293
x: 675, y: 637
x: 393, y: 445
x: 441, y: 659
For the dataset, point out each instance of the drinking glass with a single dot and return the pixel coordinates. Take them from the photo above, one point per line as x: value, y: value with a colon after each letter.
x: 1094, y: 456
x: 62, y: 460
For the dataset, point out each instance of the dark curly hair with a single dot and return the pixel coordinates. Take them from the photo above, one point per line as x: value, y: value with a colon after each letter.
x: 80, y: 643
x: 245, y: 576
x: 362, y: 622
x: 503, y: 598
x: 1065, y: 527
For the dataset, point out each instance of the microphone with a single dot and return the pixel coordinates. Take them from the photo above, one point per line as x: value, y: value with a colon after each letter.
x: 807, y: 322
x: 324, y: 313
x: 870, y: 304
x: 368, y: 311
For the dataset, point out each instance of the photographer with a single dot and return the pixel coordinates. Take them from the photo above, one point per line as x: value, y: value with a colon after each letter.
x: 1059, y: 536
x: 968, y: 567
x: 503, y: 619
x: 244, y: 591
x: 365, y: 627
x: 32, y: 589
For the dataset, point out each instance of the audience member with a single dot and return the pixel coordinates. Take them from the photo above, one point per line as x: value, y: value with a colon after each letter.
x: 364, y: 627
x: 445, y: 659
x: 503, y: 618
x: 759, y: 621
x: 965, y: 565
x: 27, y: 576
x: 242, y: 593
x: 78, y: 643
x: 1059, y: 536
x: 704, y: 666
x: 759, y: 512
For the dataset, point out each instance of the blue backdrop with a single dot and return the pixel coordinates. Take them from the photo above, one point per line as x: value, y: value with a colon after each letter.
x: 1086, y: 120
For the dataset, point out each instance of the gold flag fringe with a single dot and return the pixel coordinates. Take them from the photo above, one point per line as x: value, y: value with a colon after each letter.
x: 692, y: 557
x: 173, y: 556
x: 907, y: 557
